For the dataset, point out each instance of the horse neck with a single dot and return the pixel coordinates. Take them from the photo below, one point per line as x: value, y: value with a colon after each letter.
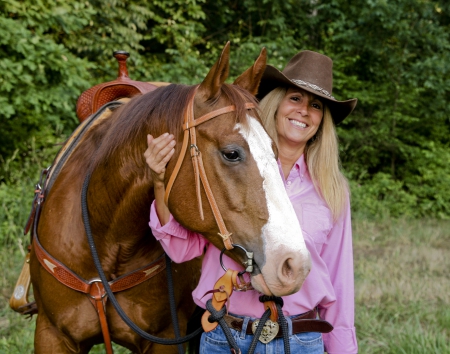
x: 119, y: 204
x: 119, y: 197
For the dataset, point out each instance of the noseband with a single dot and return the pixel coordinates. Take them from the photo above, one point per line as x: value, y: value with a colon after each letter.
x: 189, y: 125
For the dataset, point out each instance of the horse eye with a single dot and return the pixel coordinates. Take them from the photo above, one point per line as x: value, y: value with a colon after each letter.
x: 232, y: 155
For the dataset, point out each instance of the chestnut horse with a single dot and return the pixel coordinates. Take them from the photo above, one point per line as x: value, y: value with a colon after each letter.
x: 240, y: 160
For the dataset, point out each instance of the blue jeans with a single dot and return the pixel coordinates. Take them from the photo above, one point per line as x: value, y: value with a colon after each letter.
x: 301, y: 343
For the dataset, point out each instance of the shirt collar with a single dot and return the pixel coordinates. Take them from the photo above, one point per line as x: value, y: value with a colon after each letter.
x: 300, y: 165
x: 299, y: 168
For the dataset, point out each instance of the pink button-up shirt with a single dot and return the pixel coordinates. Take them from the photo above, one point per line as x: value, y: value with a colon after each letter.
x: 329, y: 285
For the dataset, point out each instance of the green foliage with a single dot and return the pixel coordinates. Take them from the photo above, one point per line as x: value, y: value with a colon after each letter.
x: 392, y: 55
x: 39, y: 79
x: 397, y: 55
x: 17, y: 195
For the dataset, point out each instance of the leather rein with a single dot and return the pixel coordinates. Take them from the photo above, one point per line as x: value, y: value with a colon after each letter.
x: 189, y: 125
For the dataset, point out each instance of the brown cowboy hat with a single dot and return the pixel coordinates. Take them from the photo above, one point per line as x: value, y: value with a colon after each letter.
x: 312, y: 72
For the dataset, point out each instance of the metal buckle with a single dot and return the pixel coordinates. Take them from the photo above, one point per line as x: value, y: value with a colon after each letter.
x: 269, y: 332
x: 38, y: 190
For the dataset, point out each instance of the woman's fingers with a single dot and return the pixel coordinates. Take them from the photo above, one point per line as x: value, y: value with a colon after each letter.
x: 159, y: 152
x: 163, y: 148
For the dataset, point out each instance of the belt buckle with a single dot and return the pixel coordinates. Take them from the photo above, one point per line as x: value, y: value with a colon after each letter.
x: 269, y: 332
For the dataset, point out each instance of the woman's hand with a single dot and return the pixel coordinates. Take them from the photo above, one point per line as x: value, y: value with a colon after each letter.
x: 158, y: 154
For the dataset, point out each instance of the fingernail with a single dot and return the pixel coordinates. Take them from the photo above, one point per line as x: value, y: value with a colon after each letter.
x: 165, y: 134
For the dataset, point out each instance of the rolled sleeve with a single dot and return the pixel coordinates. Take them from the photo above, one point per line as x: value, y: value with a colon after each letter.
x: 179, y: 243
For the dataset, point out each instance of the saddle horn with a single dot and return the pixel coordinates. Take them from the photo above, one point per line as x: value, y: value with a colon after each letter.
x: 123, y: 87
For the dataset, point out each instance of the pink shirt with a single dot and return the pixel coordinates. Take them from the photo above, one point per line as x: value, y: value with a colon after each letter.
x: 329, y: 285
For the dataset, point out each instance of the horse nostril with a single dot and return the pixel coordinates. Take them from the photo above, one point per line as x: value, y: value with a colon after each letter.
x: 286, y: 269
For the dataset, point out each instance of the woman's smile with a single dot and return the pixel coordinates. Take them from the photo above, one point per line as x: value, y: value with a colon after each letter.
x: 297, y: 123
x: 298, y: 117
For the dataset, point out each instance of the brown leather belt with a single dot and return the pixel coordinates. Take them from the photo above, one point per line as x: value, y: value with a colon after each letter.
x: 306, y: 322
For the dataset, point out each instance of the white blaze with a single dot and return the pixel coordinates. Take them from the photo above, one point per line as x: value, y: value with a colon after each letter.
x: 282, y: 229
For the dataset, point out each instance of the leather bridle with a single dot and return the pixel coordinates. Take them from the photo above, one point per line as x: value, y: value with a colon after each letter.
x: 189, y: 125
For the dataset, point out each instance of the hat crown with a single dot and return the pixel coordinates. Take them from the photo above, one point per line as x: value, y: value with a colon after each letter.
x: 311, y: 67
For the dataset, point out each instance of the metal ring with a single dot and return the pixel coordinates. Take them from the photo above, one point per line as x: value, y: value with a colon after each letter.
x: 96, y: 280
x: 248, y: 264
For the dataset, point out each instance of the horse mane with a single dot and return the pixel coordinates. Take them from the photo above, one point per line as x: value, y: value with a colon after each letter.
x: 155, y: 113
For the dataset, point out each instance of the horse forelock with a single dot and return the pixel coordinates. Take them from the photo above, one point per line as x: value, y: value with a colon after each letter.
x: 239, y: 97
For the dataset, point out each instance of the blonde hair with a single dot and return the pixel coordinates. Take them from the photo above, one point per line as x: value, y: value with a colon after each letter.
x: 321, y: 153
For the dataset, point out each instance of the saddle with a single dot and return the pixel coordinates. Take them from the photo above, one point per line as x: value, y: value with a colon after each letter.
x: 123, y: 87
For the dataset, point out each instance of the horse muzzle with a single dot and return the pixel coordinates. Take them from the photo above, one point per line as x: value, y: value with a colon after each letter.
x: 282, y: 276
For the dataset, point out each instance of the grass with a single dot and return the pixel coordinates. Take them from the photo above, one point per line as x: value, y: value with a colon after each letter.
x: 402, y: 286
x: 402, y: 290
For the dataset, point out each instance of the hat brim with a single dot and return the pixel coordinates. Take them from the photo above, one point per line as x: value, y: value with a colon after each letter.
x: 273, y: 78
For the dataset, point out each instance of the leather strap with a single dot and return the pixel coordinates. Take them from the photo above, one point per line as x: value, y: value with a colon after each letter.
x: 98, y: 299
x: 273, y: 310
x: 70, y: 279
x: 221, y: 293
x: 174, y: 175
x: 94, y: 288
x: 199, y: 171
x: 307, y: 322
x: 193, y: 123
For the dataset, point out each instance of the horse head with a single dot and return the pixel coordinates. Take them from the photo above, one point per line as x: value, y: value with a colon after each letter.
x: 239, y: 160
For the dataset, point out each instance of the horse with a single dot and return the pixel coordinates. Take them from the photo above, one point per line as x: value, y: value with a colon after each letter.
x: 238, y: 155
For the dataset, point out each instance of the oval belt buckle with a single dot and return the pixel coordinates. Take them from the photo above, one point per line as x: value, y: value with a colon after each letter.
x: 269, y: 332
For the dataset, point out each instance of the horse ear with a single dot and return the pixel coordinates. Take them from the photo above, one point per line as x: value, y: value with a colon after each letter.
x: 251, y: 78
x: 210, y: 87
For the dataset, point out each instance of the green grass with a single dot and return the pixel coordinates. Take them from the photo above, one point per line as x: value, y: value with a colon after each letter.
x: 402, y: 286
x: 402, y: 290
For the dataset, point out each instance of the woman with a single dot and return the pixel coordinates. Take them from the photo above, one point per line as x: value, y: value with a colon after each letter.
x: 300, y: 114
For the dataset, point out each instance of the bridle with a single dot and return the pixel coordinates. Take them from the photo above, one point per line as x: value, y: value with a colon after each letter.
x: 199, y: 171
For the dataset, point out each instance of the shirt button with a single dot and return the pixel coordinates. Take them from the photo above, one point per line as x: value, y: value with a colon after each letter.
x: 288, y: 183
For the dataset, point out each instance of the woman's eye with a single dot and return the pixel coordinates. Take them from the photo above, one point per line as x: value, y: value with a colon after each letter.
x: 232, y: 155
x: 317, y: 106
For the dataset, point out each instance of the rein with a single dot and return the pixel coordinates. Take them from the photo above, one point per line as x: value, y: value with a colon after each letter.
x: 199, y: 171
x: 107, y: 288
